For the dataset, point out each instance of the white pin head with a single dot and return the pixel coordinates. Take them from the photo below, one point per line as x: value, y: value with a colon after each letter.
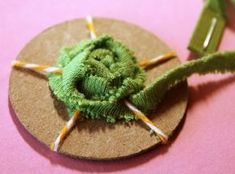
x: 210, y: 33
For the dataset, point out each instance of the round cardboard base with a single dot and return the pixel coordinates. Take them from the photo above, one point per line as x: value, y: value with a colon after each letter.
x: 43, y: 116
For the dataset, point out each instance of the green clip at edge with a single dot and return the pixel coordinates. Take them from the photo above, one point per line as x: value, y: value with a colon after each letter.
x: 214, y: 9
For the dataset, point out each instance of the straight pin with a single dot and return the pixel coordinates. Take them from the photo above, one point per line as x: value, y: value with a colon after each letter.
x: 210, y: 33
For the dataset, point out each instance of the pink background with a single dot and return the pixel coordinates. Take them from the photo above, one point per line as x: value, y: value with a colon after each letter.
x: 206, y: 140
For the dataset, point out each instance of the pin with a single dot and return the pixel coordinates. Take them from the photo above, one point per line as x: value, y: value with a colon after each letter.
x: 210, y: 33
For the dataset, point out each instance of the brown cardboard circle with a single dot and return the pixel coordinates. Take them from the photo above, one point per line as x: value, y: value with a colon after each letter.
x: 43, y: 116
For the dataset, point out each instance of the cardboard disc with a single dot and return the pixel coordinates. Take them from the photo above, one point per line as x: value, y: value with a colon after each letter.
x: 43, y: 116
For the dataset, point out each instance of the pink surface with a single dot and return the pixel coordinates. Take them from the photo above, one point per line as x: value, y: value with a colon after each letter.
x: 206, y: 141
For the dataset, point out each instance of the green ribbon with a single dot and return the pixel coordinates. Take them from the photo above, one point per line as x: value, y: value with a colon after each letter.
x: 100, y: 74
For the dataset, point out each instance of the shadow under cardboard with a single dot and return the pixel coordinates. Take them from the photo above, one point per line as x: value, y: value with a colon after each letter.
x: 89, y: 165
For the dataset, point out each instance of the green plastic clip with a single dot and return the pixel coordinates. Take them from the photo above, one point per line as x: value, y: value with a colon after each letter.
x: 209, y: 28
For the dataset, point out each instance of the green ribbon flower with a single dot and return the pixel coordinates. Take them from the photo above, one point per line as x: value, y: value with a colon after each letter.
x: 99, y: 74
